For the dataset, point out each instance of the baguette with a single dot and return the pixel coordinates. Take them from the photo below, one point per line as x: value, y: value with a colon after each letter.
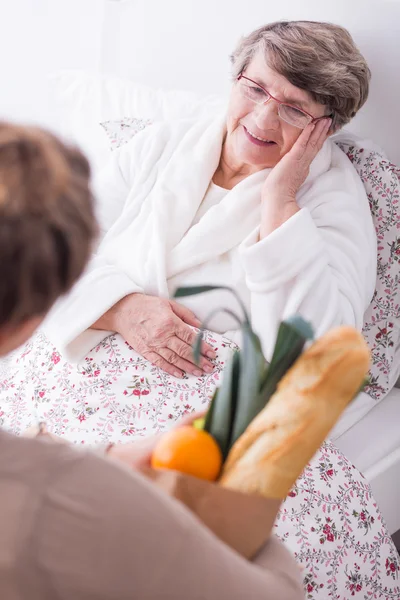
x: 277, y: 445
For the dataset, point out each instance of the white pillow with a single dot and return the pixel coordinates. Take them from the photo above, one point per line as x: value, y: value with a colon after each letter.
x: 82, y: 100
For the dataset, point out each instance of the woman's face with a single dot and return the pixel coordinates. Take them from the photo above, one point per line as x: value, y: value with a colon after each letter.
x: 247, y: 119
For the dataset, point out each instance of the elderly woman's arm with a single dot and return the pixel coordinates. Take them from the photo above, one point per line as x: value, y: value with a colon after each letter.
x: 67, y: 325
x: 320, y: 262
x: 106, y: 300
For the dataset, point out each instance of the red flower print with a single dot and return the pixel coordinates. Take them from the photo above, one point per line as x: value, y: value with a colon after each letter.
x: 145, y: 392
x: 55, y: 358
x: 330, y: 537
x: 292, y: 494
x: 392, y: 567
x: 136, y: 392
x: 96, y: 373
x: 309, y: 588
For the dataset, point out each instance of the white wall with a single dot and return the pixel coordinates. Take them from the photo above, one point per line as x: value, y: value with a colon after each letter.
x: 186, y: 44
x: 38, y: 37
x: 180, y: 44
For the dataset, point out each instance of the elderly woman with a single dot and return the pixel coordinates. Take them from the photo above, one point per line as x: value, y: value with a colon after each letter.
x: 259, y: 199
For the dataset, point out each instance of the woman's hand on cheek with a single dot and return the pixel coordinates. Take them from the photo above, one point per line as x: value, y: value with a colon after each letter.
x: 278, y: 202
x: 292, y: 170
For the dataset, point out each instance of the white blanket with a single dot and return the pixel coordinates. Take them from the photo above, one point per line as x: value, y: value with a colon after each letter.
x: 320, y: 263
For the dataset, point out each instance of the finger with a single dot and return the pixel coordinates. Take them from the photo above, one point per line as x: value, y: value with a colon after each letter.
x: 189, y: 419
x: 185, y: 365
x: 185, y: 351
x: 157, y: 360
x: 319, y: 134
x: 189, y: 336
x: 316, y: 139
x: 185, y: 314
x: 300, y: 146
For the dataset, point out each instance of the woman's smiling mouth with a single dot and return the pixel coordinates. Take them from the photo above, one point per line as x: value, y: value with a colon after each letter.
x: 258, y: 141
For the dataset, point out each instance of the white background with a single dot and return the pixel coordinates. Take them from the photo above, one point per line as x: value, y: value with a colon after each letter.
x: 181, y: 44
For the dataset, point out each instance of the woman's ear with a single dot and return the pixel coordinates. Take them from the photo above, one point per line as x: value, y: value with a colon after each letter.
x: 13, y: 336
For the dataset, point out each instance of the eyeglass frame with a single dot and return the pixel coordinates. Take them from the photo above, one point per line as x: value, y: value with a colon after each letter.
x: 279, y: 102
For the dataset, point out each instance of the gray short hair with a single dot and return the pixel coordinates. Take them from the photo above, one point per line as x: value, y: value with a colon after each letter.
x: 320, y: 58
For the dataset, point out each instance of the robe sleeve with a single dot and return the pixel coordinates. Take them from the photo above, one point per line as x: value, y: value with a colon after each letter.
x: 103, y: 284
x: 321, y: 263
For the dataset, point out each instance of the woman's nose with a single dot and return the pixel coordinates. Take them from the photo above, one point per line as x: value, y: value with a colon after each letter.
x: 266, y: 115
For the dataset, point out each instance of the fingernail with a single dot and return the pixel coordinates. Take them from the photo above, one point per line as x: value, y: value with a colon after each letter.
x: 211, y: 354
x: 208, y: 368
x: 198, y: 373
x: 178, y: 374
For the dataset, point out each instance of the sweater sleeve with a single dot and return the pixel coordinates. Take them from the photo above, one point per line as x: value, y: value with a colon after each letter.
x: 103, y: 284
x: 106, y: 533
x: 321, y: 263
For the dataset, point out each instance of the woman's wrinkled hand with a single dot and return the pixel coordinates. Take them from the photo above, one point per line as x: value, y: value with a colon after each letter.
x: 137, y: 455
x: 161, y: 331
x: 292, y: 170
x: 278, y: 198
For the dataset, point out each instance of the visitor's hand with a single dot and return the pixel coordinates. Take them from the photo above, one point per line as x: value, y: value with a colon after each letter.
x: 138, y: 453
x: 159, y: 329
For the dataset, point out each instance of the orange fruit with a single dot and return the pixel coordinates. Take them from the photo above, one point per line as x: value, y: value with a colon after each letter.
x: 188, y: 450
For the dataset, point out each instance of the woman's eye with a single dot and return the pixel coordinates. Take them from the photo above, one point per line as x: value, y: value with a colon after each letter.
x: 293, y: 112
x: 257, y: 90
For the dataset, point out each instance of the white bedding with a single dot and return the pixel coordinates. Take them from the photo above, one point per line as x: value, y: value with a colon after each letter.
x: 375, y: 436
x: 373, y: 445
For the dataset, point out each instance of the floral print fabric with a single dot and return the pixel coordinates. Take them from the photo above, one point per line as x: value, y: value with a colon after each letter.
x: 330, y: 520
x: 381, y: 180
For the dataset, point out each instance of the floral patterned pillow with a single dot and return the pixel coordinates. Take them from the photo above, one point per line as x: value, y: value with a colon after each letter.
x: 121, y: 131
x: 381, y: 180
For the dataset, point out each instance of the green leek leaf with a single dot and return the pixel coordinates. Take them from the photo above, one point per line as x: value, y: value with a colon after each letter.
x: 183, y: 291
x: 252, y: 364
x: 209, y: 414
x: 224, y: 405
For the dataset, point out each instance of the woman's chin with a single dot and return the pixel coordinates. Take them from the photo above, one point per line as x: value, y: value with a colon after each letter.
x: 262, y: 159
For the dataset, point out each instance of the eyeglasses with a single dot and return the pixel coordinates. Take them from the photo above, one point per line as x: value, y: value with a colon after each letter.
x: 287, y: 112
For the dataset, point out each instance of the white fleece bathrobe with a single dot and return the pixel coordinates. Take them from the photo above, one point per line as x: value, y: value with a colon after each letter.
x: 321, y: 263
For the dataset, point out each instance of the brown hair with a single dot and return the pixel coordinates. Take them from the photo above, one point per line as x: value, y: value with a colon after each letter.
x: 47, y: 221
x: 320, y: 58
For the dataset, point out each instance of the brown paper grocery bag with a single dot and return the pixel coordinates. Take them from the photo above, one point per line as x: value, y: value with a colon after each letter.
x: 244, y: 522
